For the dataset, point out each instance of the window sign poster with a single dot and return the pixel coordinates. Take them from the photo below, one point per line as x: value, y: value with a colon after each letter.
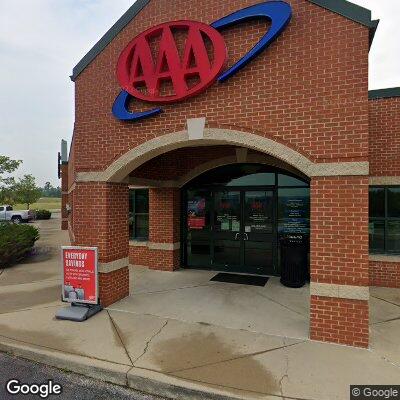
x: 225, y: 225
x: 235, y: 225
x: 196, y: 213
x: 79, y: 273
x: 294, y: 215
x: 197, y: 223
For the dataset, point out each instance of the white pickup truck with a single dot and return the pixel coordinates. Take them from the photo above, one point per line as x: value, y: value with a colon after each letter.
x: 8, y: 214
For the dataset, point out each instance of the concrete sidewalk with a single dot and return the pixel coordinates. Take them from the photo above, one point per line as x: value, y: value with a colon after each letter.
x: 181, y: 336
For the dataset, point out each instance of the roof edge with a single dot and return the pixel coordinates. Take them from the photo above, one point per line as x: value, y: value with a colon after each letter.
x: 384, y: 93
x: 127, y: 17
x: 349, y: 10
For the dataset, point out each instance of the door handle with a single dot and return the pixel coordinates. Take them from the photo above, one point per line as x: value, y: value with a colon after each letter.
x: 246, y: 236
x: 237, y: 235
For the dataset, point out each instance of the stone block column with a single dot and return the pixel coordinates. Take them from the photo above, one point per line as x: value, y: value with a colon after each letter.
x: 164, y: 231
x: 339, y: 260
x: 100, y: 219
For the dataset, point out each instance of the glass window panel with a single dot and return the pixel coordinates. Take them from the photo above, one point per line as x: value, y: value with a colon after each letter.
x: 393, y: 236
x: 131, y: 201
x: 139, y: 214
x: 286, y: 180
x: 261, y: 179
x: 142, y: 226
x: 141, y: 201
x: 199, y: 253
x: 377, y: 202
x: 393, y: 202
x: 238, y: 175
x: 131, y: 217
x: 226, y: 252
x: 377, y: 235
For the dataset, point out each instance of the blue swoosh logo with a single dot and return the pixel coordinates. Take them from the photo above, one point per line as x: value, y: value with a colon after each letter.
x: 278, y: 12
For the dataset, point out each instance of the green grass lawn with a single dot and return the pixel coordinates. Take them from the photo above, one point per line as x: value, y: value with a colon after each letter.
x: 46, y: 203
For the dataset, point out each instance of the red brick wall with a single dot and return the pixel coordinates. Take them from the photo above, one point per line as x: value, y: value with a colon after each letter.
x: 100, y: 218
x: 113, y: 286
x: 384, y: 153
x: 339, y: 230
x: 309, y: 90
x: 164, y: 207
x: 162, y: 260
x: 341, y: 321
x: 384, y: 274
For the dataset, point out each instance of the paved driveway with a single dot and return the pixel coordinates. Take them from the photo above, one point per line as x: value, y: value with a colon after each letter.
x: 180, y: 334
x: 74, y: 387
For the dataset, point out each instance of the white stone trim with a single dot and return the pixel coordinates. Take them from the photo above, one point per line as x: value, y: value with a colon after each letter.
x: 195, y: 127
x: 72, y: 188
x: 384, y: 258
x: 138, y: 243
x: 120, y: 169
x: 384, y: 180
x: 141, y: 183
x: 156, y: 246
x: 111, y: 266
x: 164, y: 246
x: 90, y: 176
x: 339, y: 291
x: 339, y: 169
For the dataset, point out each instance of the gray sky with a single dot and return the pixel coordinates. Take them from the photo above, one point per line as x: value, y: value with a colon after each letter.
x: 42, y: 40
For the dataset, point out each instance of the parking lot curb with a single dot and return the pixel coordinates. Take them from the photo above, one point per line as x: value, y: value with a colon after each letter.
x: 93, y: 368
x: 143, y: 380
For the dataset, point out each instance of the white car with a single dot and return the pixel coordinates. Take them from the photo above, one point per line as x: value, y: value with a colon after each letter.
x: 8, y: 214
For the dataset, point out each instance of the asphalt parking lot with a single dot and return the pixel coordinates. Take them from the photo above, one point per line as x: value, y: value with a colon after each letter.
x: 74, y: 387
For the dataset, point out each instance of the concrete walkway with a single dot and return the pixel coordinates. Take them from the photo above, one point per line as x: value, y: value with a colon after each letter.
x: 182, y: 336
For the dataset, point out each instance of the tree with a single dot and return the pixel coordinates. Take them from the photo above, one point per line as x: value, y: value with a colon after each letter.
x: 7, y: 183
x: 27, y: 191
x: 50, y: 191
x: 47, y: 187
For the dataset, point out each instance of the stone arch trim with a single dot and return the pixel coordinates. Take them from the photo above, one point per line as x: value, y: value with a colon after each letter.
x: 210, y: 165
x: 120, y: 169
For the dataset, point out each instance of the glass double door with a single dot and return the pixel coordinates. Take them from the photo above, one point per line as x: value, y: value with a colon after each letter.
x: 232, y: 230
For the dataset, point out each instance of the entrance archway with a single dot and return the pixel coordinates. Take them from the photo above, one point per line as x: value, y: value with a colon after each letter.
x: 234, y: 217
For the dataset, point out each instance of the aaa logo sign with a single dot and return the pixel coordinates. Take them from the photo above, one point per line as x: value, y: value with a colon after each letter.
x: 153, y: 60
x: 137, y: 68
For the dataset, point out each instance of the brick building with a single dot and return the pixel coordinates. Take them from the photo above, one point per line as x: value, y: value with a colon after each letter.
x: 291, y: 144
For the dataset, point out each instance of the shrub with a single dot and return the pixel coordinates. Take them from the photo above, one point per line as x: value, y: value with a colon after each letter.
x: 43, y: 214
x: 16, y: 241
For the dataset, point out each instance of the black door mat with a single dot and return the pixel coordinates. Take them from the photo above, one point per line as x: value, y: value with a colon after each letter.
x: 241, y: 279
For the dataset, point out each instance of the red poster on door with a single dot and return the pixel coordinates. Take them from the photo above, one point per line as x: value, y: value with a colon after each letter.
x: 196, y: 222
x: 79, y: 270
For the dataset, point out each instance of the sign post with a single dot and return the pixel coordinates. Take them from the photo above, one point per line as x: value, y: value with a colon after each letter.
x: 79, y: 283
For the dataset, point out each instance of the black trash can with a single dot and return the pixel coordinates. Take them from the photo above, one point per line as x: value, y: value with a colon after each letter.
x: 294, y: 270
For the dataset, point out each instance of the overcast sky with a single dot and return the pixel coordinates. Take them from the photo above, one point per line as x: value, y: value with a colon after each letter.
x: 42, y: 40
